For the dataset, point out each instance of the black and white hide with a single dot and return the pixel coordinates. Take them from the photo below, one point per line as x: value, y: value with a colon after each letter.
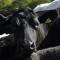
x: 44, y: 28
x: 53, y: 36
x: 24, y: 36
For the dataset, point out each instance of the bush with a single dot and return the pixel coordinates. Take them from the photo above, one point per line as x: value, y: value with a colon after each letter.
x: 20, y: 3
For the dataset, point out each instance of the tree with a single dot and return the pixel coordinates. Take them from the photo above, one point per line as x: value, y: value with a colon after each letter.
x: 31, y: 3
x: 5, y: 3
x: 20, y: 3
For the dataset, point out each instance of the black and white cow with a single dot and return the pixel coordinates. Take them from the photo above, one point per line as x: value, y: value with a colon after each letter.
x: 53, y: 36
x: 22, y: 25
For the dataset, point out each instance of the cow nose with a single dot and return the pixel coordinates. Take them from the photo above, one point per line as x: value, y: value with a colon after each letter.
x: 32, y: 46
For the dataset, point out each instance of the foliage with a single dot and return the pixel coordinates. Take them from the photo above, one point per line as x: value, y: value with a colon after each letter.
x: 20, y: 3
x: 31, y: 3
x: 5, y: 3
